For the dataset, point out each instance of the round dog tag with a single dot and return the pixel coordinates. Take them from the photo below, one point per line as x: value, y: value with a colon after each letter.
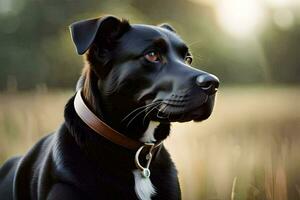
x: 146, y: 173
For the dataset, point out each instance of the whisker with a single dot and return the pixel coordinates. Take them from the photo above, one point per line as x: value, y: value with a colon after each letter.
x: 156, y: 106
x: 195, y: 43
x: 149, y: 105
x: 137, y: 110
x: 136, y: 116
x: 169, y: 116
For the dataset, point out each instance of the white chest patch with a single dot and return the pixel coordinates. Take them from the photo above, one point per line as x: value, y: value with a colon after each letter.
x: 149, y: 133
x: 143, y: 186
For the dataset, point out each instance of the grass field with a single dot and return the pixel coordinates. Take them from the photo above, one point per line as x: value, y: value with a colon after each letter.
x: 248, y: 149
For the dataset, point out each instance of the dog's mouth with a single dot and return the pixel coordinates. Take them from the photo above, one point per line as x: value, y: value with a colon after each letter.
x: 183, y: 111
x: 173, y: 108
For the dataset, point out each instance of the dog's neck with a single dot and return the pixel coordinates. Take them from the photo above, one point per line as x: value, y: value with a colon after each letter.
x: 99, y: 150
x: 93, y: 143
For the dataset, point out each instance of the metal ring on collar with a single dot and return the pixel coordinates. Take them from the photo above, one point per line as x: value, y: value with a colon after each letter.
x: 145, y: 170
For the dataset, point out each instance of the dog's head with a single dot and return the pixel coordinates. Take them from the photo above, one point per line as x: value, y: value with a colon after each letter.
x: 140, y: 73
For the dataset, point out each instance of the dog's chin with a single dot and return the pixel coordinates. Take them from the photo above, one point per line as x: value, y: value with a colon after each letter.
x: 198, y: 114
x: 195, y: 113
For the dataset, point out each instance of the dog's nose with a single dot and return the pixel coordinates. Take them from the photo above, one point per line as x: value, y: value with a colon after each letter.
x: 208, y: 82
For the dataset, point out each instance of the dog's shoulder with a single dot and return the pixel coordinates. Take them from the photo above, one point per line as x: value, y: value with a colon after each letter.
x: 31, y: 167
x: 7, y: 172
x: 19, y: 173
x: 46, y: 163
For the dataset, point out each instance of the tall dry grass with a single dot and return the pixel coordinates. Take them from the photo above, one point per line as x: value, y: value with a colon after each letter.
x: 248, y: 149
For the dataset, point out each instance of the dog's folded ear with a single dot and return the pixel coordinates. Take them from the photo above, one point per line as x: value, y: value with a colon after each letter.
x: 168, y: 27
x: 84, y: 32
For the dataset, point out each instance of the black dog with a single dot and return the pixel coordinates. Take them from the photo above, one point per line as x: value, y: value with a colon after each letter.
x: 137, y: 80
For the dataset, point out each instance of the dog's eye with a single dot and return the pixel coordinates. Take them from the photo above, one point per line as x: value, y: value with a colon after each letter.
x: 188, y: 60
x: 153, y: 56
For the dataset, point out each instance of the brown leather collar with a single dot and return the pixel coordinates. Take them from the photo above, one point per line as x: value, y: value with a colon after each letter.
x: 102, y: 128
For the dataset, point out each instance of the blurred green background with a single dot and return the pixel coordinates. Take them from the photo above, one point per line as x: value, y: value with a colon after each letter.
x: 248, y: 149
x: 260, y: 43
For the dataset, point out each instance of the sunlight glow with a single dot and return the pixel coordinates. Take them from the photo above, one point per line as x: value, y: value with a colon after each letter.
x: 279, y: 3
x: 284, y: 19
x: 240, y: 18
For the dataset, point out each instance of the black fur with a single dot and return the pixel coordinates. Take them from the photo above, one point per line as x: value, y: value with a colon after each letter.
x: 74, y: 162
